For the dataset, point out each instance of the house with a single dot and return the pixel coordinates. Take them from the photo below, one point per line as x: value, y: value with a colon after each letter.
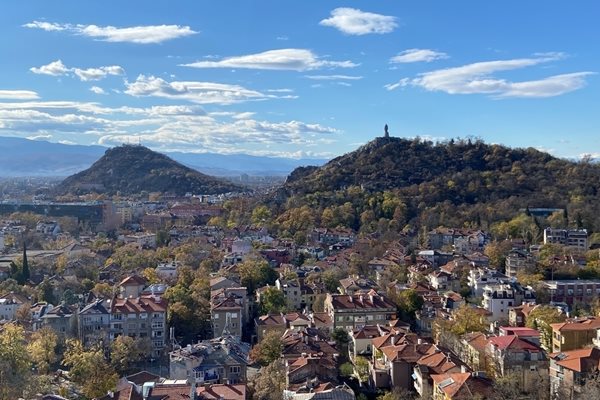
x: 362, y: 339
x: 222, y: 283
x: 167, y: 271
x: 517, y: 316
x: 226, y: 316
x: 143, y: 240
x: 569, y: 370
x: 131, y: 286
x: 435, y: 257
x: 62, y: 319
x: 221, y: 360
x: 355, y: 284
x: 577, y: 238
x: 394, y: 358
x: 221, y: 392
x: 291, y: 321
x: 308, y: 341
x: 524, y: 361
x: 438, y: 361
x: 310, y: 367
x: 499, y: 297
x: 10, y: 303
x: 479, y: 277
x: 460, y: 385
x: 574, y: 333
x: 354, y: 311
x: 519, y: 261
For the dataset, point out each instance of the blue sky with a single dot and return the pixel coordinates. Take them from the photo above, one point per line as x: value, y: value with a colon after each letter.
x: 301, y: 79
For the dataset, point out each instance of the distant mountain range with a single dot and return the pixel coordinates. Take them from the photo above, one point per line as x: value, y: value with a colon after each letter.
x: 133, y: 169
x: 24, y: 157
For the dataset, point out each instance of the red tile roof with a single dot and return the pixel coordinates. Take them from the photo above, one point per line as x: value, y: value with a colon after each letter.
x: 222, y: 392
x: 513, y: 343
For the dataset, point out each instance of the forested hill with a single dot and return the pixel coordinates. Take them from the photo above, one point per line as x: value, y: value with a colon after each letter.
x: 476, y: 179
x: 132, y: 169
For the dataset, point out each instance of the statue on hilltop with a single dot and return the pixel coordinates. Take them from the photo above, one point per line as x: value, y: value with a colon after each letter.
x: 386, y: 132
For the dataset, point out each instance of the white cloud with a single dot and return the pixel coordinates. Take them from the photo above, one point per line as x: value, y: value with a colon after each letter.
x: 401, y: 83
x: 547, y: 87
x: 333, y: 77
x: 145, y: 34
x: 197, y: 92
x: 97, y: 90
x: 47, y: 26
x: 478, y: 78
x: 94, y: 74
x: 40, y: 137
x: 244, y: 115
x: 57, y: 68
x: 284, y: 90
x: 418, y: 55
x: 281, y: 59
x: 175, y: 127
x: 18, y: 95
x: 356, y: 22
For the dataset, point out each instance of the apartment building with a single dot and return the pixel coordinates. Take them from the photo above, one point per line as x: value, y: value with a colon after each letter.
x: 355, y: 311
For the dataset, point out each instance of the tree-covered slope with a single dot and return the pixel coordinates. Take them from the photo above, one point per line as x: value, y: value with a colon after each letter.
x: 132, y: 169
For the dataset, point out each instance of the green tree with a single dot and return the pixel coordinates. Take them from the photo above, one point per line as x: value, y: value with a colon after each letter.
x: 540, y: 318
x: 346, y: 370
x: 361, y: 369
x: 464, y: 320
x: 408, y: 302
x: 42, y: 349
x: 270, y: 382
x: 261, y: 215
x: 255, y: 273
x: 268, y: 350
x: 125, y: 351
x: 25, y: 274
x: 272, y: 300
x: 14, y: 362
x: 89, y: 369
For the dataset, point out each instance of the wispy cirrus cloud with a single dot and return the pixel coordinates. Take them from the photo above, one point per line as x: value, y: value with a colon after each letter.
x: 19, y: 95
x: 197, y: 92
x: 143, y: 34
x: 352, y: 21
x: 57, y: 68
x: 418, y: 55
x: 280, y: 59
x: 333, y: 77
x: 478, y: 78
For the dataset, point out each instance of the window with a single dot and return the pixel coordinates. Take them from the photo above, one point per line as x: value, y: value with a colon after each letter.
x: 117, y: 316
x: 234, y: 369
x: 157, y: 325
x: 117, y: 326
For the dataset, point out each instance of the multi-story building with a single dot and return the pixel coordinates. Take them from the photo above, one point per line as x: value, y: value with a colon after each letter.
x: 461, y: 385
x: 499, y: 297
x: 568, y: 237
x: 94, y: 323
x: 569, y: 370
x: 219, y: 360
x: 518, y: 261
x: 574, y: 334
x: 62, y: 319
x: 521, y: 359
x: 226, y: 316
x: 355, y: 311
x: 573, y: 292
x: 9, y: 304
x: 142, y: 317
x: 479, y: 277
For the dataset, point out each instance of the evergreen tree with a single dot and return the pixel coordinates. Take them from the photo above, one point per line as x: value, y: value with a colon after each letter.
x: 25, y: 267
